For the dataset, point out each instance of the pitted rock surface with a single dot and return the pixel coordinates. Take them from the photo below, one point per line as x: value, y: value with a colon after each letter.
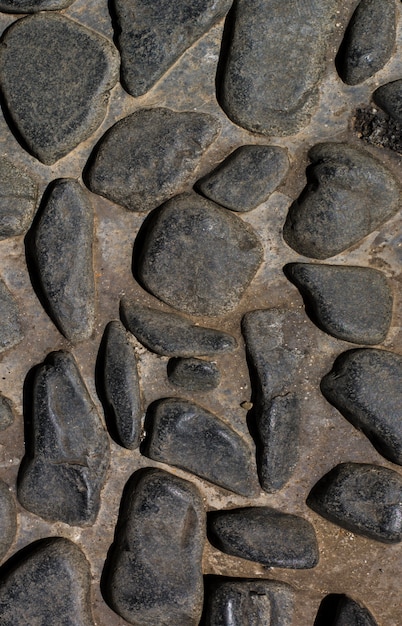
x: 18, y: 195
x: 389, y: 98
x: 340, y: 610
x: 6, y: 413
x: 8, y: 520
x: 55, y: 79
x: 11, y: 331
x: 67, y: 452
x: 193, y: 374
x: 32, y: 6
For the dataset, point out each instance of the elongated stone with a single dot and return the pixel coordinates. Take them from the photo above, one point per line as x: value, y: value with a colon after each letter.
x: 32, y: 6
x: 193, y: 374
x: 6, y: 413
x: 18, y: 195
x: 8, y: 519
x: 11, y: 331
x: 389, y: 98
x: 340, y: 610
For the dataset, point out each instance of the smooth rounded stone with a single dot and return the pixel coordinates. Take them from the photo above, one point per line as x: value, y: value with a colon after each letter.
x: 366, y: 387
x: 18, y: 196
x: 362, y: 498
x: 246, y: 178
x: 348, y: 195
x: 154, y: 570
x: 32, y: 6
x: 368, y: 42
x: 147, y: 157
x: 347, y: 302
x: 10, y: 329
x: 265, y: 535
x: 8, y: 520
x: 274, y: 63
x: 47, y: 583
x: 340, y: 610
x: 67, y: 449
x: 389, y: 98
x: 6, y: 413
x: 198, y: 257
x: 152, y: 36
x: 193, y: 374
x: 55, y: 76
x: 185, y: 435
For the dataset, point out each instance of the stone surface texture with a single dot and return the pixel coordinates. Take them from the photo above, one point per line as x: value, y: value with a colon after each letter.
x: 8, y: 519
x: 340, y: 610
x: 11, y: 332
x: 193, y: 374
x: 33, y: 6
x: 6, y: 413
x: 18, y: 195
x: 389, y: 98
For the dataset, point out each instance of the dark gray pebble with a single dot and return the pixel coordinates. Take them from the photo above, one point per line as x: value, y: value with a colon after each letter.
x: 32, y: 6
x: 193, y: 374
x: 8, y: 520
x: 389, y: 98
x: 6, y: 413
x: 18, y: 195
x: 10, y: 329
x: 340, y: 610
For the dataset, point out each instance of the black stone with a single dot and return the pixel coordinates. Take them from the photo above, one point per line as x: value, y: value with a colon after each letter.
x: 184, y: 434
x: 67, y: 450
x: 61, y: 250
x: 349, y: 194
x: 18, y: 195
x: 369, y: 41
x: 47, y: 583
x: 347, y: 302
x: 265, y: 535
x: 147, y: 157
x: 340, y: 610
x: 55, y: 78
x: 193, y: 374
x: 8, y: 520
x: 10, y: 328
x: 32, y: 6
x: 389, y: 98
x: 365, y: 499
x: 154, y: 573
x: 6, y: 413
x: 366, y: 387
x: 246, y: 178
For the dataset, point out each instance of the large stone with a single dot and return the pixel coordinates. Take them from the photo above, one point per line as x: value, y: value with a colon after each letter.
x: 349, y: 303
x: 154, y: 573
x: 18, y: 195
x: 349, y: 194
x: 47, y: 583
x: 32, y: 6
x: 55, y: 79
x: 340, y: 610
x: 193, y: 374
x: 184, y: 434
x: 197, y: 256
x: 389, y: 98
x: 365, y: 499
x: 10, y: 328
x: 147, y: 157
x: 67, y: 449
x: 8, y: 520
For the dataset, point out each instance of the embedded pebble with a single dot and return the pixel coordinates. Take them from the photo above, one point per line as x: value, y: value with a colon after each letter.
x: 32, y: 6
x: 147, y: 157
x: 6, y: 413
x: 193, y: 374
x: 55, y: 79
x: 10, y: 328
x: 8, y: 520
x: 389, y: 98
x: 18, y: 195
x: 340, y: 610
x: 348, y: 195
x: 154, y: 573
x: 67, y: 450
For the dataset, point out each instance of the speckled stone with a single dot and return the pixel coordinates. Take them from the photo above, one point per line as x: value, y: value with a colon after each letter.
x: 10, y: 329
x: 193, y: 374
x: 32, y: 6
x: 18, y: 196
x: 8, y: 520
x: 6, y: 413
x: 340, y: 610
x: 389, y: 98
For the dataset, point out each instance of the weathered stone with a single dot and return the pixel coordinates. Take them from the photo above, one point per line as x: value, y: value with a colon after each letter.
x: 55, y: 78
x: 8, y: 520
x: 67, y: 450
x: 197, y: 256
x: 246, y: 178
x: 6, y: 413
x: 389, y: 98
x: 193, y: 374
x: 60, y: 247
x: 18, y: 195
x: 32, y: 6
x: 154, y: 573
x: 339, y: 610
x: 365, y: 499
x: 366, y: 387
x: 121, y: 385
x: 152, y: 36
x: 274, y: 63
x: 184, y: 434
x: 10, y: 327
x: 349, y: 303
x: 147, y: 157
x: 348, y: 195
x: 49, y: 583
x: 265, y: 535
x: 369, y: 41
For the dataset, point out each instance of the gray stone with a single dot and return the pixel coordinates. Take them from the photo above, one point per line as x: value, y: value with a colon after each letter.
x: 55, y: 79
x: 48, y: 583
x: 347, y: 302
x: 152, y: 36
x: 193, y: 374
x: 67, y: 450
x: 6, y: 413
x: 369, y: 41
x: 61, y: 250
x: 274, y: 63
x: 265, y: 535
x: 349, y: 194
x: 18, y: 195
x: 198, y: 257
x: 147, y: 157
x: 366, y: 387
x: 10, y: 329
x: 184, y: 434
x: 389, y: 98
x: 32, y: 6
x: 340, y: 610
x: 8, y: 520
x: 154, y: 570
x: 246, y: 178
x: 365, y: 499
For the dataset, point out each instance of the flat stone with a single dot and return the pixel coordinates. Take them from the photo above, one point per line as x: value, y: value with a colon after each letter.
x: 6, y: 413
x: 151, y: 37
x: 266, y: 536
x: 365, y: 499
x: 246, y: 178
x: 193, y: 374
x: 349, y: 194
x: 198, y: 257
x: 369, y: 41
x: 10, y: 329
x: 274, y: 63
x: 185, y: 435
x: 67, y: 451
x: 61, y: 251
x: 55, y: 79
x: 49, y: 583
x: 366, y: 387
x: 147, y: 157
x: 8, y: 520
x: 18, y: 196
x: 32, y: 6
x: 340, y: 610
x: 121, y: 385
x: 347, y: 302
x: 389, y: 98
x: 154, y: 573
